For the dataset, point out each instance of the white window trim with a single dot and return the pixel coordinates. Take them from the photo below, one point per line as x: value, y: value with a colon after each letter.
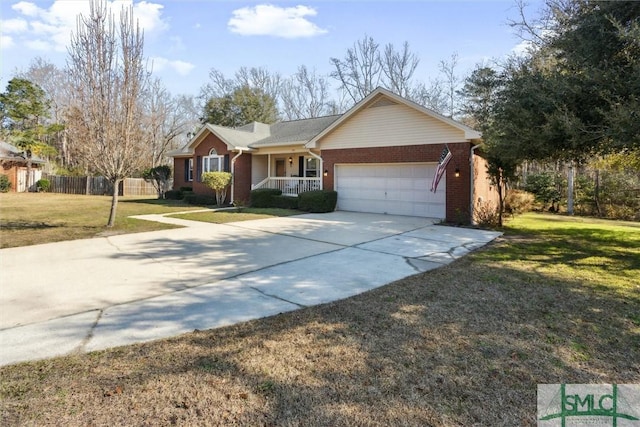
x: 206, y: 162
x: 307, y: 160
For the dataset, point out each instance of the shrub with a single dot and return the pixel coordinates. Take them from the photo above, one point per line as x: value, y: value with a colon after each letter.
x: 5, y: 184
x: 159, y: 177
x: 218, y: 182
x: 183, y: 189
x: 317, y: 201
x: 199, y: 200
x: 261, y: 198
x: 173, y: 195
x: 486, y: 215
x: 43, y: 185
x: 518, y: 201
x: 284, y: 202
x: 546, y: 187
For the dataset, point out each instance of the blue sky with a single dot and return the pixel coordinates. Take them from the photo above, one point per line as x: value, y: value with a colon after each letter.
x: 186, y: 38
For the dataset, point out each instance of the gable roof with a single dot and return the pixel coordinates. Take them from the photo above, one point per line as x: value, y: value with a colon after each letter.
x: 381, y: 95
x: 13, y: 153
x: 308, y: 132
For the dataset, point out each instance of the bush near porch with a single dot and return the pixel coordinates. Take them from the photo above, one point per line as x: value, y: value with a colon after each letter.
x: 317, y: 201
x: 262, y: 197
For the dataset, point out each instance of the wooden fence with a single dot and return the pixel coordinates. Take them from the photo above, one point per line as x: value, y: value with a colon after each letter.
x: 98, y: 185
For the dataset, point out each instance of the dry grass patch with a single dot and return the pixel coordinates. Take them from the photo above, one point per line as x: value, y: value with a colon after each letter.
x: 463, y: 345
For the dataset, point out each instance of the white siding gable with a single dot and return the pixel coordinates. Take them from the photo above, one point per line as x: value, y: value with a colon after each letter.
x: 383, y: 125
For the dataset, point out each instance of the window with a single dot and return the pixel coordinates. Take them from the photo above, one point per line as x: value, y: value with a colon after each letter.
x: 213, y: 162
x: 190, y: 170
x: 311, y: 167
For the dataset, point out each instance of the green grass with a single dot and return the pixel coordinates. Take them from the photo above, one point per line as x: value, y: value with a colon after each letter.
x: 601, y: 253
x: 242, y: 214
x: 34, y: 218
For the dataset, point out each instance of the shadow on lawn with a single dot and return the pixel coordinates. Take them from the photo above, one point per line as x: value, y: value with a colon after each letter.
x: 27, y: 225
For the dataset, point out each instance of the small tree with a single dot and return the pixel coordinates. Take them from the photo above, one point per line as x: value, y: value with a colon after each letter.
x: 108, y: 76
x: 159, y: 177
x: 219, y: 182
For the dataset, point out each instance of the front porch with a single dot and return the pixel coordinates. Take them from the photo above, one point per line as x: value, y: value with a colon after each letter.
x: 291, y: 172
x: 290, y: 186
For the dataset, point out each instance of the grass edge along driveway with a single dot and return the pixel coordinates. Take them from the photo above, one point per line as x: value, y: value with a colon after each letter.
x: 36, y: 218
x: 555, y: 300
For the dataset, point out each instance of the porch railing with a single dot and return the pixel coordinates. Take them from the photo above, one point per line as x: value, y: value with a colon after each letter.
x: 290, y: 186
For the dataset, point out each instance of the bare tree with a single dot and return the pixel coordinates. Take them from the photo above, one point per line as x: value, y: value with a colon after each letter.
x: 451, y: 82
x: 259, y: 78
x: 431, y: 96
x: 108, y: 76
x: 359, y: 73
x: 398, y: 67
x: 305, y: 95
x: 217, y: 87
x: 166, y: 120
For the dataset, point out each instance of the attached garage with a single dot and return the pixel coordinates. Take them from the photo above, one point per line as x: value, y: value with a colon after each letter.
x: 395, y: 189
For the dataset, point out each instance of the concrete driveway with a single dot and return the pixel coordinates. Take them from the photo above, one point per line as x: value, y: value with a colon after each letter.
x: 92, y: 294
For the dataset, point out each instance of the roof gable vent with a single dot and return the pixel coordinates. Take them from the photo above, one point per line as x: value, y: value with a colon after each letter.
x: 383, y: 102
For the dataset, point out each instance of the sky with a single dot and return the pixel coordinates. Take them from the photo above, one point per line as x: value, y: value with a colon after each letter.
x: 185, y: 39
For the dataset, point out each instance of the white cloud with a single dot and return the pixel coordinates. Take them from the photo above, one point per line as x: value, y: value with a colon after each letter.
x: 40, y: 45
x: 26, y: 8
x: 6, y: 42
x: 181, y: 67
x: 14, y: 26
x: 56, y: 23
x: 268, y: 20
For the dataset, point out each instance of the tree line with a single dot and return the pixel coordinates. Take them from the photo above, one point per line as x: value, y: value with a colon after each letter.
x: 573, y: 100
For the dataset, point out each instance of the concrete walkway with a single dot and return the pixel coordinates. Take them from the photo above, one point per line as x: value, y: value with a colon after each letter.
x: 86, y: 295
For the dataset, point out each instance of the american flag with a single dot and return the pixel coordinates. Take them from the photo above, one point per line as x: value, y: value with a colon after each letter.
x: 442, y: 166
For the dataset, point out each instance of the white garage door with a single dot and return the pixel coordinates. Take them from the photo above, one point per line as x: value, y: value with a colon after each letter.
x: 395, y: 189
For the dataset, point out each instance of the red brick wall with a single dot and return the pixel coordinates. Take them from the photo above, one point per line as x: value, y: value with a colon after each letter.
x: 484, y: 191
x: 457, y: 188
x: 178, y: 174
x: 11, y: 171
x: 242, y: 177
x: 242, y: 169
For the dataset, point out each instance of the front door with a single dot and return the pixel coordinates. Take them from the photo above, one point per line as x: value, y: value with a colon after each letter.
x: 280, y: 169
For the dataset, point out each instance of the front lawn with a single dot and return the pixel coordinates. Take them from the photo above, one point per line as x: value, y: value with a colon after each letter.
x: 556, y: 300
x: 34, y: 218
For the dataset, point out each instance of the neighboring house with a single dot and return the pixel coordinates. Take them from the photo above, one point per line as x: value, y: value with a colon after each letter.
x: 380, y: 156
x: 14, y: 165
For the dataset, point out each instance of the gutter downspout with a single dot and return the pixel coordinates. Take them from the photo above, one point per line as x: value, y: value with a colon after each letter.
x: 233, y: 164
x: 321, y: 170
x: 472, y: 186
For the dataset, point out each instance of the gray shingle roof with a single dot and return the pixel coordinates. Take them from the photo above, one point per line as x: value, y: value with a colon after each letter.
x: 11, y: 152
x: 301, y: 131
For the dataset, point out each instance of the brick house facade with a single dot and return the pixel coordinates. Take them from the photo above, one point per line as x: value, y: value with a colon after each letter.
x: 390, y: 134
